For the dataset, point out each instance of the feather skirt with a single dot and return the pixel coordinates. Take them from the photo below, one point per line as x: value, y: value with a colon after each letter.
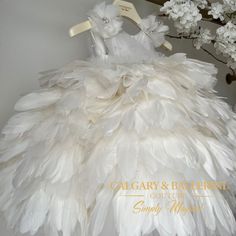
x: 92, y: 124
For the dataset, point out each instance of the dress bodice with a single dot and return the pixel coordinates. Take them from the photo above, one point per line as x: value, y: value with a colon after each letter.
x: 113, y: 43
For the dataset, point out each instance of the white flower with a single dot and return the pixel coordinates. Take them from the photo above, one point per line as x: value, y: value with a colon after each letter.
x: 201, y: 3
x: 217, y: 11
x: 230, y: 4
x: 226, y: 42
x: 184, y: 13
x: 203, y: 37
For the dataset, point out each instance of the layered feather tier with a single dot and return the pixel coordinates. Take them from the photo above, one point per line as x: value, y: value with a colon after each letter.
x: 96, y: 123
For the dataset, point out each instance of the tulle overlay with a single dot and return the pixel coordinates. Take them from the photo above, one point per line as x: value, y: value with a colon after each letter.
x: 94, y: 123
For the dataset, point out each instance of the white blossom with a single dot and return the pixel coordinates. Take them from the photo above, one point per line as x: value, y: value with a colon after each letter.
x: 226, y: 42
x: 230, y: 5
x: 217, y: 11
x: 203, y: 37
x: 184, y: 13
x: 201, y: 3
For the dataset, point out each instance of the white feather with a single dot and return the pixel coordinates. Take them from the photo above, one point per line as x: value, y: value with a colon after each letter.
x: 100, y: 211
x: 16, y: 150
x: 161, y: 88
x: 22, y: 122
x: 38, y: 100
x: 35, y: 212
x: 128, y: 154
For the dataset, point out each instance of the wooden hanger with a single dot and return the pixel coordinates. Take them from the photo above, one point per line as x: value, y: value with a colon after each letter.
x: 127, y: 9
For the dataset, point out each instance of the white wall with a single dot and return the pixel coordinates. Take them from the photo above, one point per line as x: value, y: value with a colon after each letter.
x: 34, y: 37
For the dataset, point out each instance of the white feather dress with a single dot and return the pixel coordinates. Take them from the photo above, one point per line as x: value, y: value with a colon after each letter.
x: 128, y: 115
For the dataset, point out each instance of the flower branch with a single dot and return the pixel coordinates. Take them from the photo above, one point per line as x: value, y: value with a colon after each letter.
x: 187, y: 15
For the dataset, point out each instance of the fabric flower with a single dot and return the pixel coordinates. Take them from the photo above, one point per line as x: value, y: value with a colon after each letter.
x: 106, y: 20
x: 155, y: 29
